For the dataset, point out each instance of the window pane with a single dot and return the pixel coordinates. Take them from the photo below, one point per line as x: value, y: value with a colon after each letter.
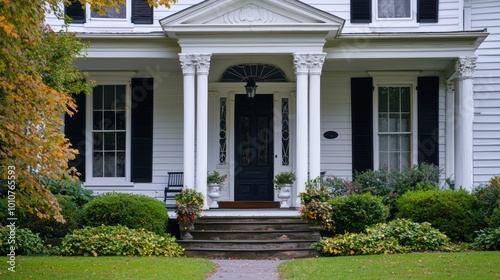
x: 394, y: 122
x: 394, y: 99
x: 393, y: 161
x: 121, y: 12
x: 109, y: 97
x: 120, y: 120
x: 109, y: 120
x: 120, y: 164
x: 382, y: 99
x: 120, y: 97
x: 405, y: 160
x: 405, y: 143
x: 109, y: 141
x: 97, y: 98
x: 383, y: 143
x: 109, y: 164
x: 405, y: 122
x: 394, y: 8
x: 98, y: 141
x: 405, y: 99
x: 393, y: 142
x: 97, y: 120
x: 383, y: 125
x: 120, y: 141
x: 383, y: 160
x: 97, y: 164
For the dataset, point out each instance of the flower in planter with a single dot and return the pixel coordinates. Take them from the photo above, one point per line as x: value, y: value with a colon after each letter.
x: 216, y: 178
x: 189, y: 205
x: 282, y: 179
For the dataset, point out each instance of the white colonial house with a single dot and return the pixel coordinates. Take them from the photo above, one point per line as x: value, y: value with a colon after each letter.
x: 341, y: 86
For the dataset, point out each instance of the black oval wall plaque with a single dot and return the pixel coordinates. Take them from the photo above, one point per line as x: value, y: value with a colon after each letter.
x: 331, y: 134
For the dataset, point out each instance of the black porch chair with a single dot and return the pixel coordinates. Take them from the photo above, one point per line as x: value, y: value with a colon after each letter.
x: 174, y: 186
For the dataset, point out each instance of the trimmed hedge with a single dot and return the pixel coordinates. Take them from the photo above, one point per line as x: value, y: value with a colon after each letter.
x: 117, y: 241
x: 355, y: 212
x: 131, y: 210
x: 452, y: 212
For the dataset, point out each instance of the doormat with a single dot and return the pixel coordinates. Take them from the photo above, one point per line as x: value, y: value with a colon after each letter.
x: 248, y: 204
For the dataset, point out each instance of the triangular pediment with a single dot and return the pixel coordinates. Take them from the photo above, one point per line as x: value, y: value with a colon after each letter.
x: 251, y: 16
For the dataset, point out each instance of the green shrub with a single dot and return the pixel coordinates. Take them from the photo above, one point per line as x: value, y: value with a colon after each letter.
x: 131, y: 210
x: 354, y: 213
x: 488, y: 239
x: 26, y: 242
x: 73, y: 189
x: 452, y: 212
x: 488, y: 198
x: 117, y: 241
x: 392, y: 184
x: 494, y: 219
x: 398, y: 236
x: 47, y: 228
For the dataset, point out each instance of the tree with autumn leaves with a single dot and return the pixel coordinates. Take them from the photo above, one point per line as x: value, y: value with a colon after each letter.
x: 38, y: 80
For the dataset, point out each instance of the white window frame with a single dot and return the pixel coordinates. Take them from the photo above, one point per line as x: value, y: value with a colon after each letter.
x: 397, y: 79
x: 108, y: 181
x: 100, y: 21
x: 392, y: 22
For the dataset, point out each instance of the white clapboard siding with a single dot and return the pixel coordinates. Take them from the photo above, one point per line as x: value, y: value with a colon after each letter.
x: 168, y: 127
x: 484, y: 14
x: 336, y: 154
x: 449, y: 19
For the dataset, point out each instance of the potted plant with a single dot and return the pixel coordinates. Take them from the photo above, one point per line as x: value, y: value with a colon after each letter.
x: 189, y: 207
x: 215, y: 182
x: 283, y: 183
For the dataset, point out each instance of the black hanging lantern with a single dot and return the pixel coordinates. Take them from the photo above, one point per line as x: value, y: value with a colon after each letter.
x: 251, y: 88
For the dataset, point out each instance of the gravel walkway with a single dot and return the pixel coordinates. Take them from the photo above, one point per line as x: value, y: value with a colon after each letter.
x: 246, y: 269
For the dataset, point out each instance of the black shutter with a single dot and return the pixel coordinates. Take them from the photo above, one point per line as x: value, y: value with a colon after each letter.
x: 362, y: 124
x: 428, y: 120
x: 76, y: 11
x: 427, y: 10
x: 142, y: 13
x: 74, y: 129
x: 361, y: 11
x: 142, y: 130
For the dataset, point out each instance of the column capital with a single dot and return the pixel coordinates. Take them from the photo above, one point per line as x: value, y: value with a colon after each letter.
x: 300, y: 63
x: 187, y: 63
x: 202, y: 63
x: 316, y: 61
x: 465, y: 66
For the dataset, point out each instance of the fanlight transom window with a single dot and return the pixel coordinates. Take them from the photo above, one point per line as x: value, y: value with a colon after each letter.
x: 257, y: 71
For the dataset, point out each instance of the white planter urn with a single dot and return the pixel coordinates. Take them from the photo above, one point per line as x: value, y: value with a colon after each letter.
x: 214, y: 194
x: 284, y: 194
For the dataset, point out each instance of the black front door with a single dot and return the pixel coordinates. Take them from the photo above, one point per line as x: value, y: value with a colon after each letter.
x: 254, y: 148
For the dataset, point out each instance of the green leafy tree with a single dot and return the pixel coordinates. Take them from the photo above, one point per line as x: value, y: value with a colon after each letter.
x: 37, y: 79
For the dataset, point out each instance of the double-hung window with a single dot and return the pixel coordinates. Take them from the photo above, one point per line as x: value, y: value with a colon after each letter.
x: 110, y: 132
x: 394, y: 126
x: 422, y: 11
x: 133, y: 11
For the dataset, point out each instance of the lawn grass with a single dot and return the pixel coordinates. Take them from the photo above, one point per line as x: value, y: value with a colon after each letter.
x: 106, y: 268
x: 464, y: 265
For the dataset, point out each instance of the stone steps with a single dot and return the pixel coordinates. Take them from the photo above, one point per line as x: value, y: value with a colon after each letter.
x: 250, y: 238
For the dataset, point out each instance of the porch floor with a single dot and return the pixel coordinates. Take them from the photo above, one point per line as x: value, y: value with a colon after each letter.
x: 263, y: 212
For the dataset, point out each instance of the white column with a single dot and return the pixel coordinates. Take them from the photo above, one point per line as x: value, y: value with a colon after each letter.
x: 464, y: 117
x: 301, y: 148
x: 188, y: 70
x: 316, y: 61
x: 202, y: 67
x: 449, y: 129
